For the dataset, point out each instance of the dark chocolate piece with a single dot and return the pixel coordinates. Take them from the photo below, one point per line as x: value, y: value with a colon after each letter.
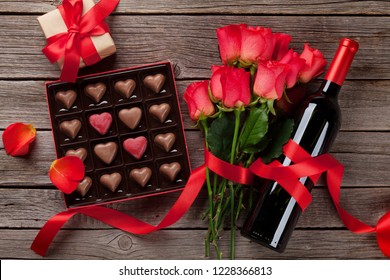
x: 141, y: 175
x: 81, y: 153
x: 66, y: 98
x: 106, y: 152
x: 170, y: 170
x: 165, y: 141
x: 125, y: 88
x: 84, y: 186
x: 95, y: 91
x: 160, y: 111
x: 70, y: 128
x: 111, y: 181
x: 155, y: 82
x: 130, y: 117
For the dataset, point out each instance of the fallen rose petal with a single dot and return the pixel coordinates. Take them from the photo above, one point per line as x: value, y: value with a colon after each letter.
x: 17, y: 138
x: 66, y: 173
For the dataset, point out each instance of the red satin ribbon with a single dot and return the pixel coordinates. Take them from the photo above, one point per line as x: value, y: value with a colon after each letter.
x: 76, y: 41
x: 287, y: 176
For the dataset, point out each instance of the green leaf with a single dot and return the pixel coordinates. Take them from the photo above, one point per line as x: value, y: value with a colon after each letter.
x: 255, y: 128
x: 220, y: 137
x: 279, y: 133
x: 261, y: 146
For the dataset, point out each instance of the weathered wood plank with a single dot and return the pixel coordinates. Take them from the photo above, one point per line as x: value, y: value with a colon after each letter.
x: 145, y: 39
x: 185, y: 244
x: 218, y: 7
x: 23, y: 208
x: 364, y: 166
x: 365, y: 105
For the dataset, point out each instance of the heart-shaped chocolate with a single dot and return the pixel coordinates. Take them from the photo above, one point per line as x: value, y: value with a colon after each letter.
x: 130, y: 117
x: 95, y: 91
x: 170, y: 170
x: 155, y: 82
x: 81, y: 153
x: 101, y: 122
x: 160, y: 111
x: 70, y: 128
x: 84, y: 186
x: 141, y: 175
x: 66, y: 98
x: 106, y: 152
x: 165, y: 141
x: 111, y: 181
x: 136, y: 146
x: 125, y: 88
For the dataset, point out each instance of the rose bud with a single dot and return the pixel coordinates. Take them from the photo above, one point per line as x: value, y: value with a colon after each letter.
x: 66, y: 173
x: 17, y: 138
x: 295, y: 65
x: 198, y: 101
x: 315, y: 64
x: 229, y: 40
x: 235, y: 87
x: 253, y: 45
x: 270, y: 79
x: 281, y: 45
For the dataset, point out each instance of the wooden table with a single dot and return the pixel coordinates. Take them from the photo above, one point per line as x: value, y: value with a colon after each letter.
x: 184, y: 32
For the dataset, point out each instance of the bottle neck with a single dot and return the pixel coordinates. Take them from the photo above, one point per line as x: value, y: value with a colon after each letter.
x: 330, y: 89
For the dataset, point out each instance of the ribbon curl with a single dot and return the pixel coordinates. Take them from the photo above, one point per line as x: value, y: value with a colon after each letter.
x: 287, y: 176
x: 76, y: 41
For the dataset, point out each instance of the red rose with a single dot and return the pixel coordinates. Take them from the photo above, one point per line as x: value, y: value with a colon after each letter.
x: 281, y: 45
x: 270, y: 79
x: 269, y: 39
x: 253, y: 44
x: 229, y: 40
x: 215, y: 82
x: 198, y: 101
x: 294, y: 64
x: 315, y: 64
x: 231, y: 85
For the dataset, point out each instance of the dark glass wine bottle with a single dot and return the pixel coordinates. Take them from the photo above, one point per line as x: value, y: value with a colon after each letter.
x: 275, y: 214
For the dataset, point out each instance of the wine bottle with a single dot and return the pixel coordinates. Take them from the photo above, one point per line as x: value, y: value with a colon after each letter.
x: 275, y: 214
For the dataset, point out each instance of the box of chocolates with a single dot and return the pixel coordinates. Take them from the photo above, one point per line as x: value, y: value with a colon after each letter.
x: 126, y: 127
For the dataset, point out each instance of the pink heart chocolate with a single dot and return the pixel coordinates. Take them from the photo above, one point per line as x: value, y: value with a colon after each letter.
x: 101, y: 122
x: 136, y: 146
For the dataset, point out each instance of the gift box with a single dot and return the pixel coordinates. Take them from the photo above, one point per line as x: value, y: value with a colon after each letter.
x: 126, y: 127
x: 94, y: 45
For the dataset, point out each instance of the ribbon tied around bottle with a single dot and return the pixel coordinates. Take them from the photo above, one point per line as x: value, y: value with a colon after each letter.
x: 287, y: 176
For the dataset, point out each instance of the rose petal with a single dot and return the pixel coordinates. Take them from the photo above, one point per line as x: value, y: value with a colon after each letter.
x: 66, y: 173
x: 17, y: 138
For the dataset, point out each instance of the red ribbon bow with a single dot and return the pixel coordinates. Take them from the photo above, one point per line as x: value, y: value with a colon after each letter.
x: 76, y: 41
x: 286, y: 176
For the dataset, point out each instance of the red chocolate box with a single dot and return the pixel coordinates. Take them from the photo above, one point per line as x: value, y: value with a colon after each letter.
x: 126, y: 126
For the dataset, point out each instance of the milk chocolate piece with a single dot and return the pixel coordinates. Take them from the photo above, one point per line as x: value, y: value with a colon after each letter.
x: 84, y: 186
x: 125, y: 88
x: 66, y: 98
x: 170, y: 170
x: 155, y: 82
x: 106, y: 152
x: 165, y: 141
x: 130, y: 117
x: 81, y: 153
x: 70, y: 128
x: 111, y: 181
x: 160, y: 111
x: 141, y: 175
x: 95, y: 91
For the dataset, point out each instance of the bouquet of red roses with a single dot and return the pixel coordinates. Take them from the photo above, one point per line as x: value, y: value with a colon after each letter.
x: 244, y: 110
